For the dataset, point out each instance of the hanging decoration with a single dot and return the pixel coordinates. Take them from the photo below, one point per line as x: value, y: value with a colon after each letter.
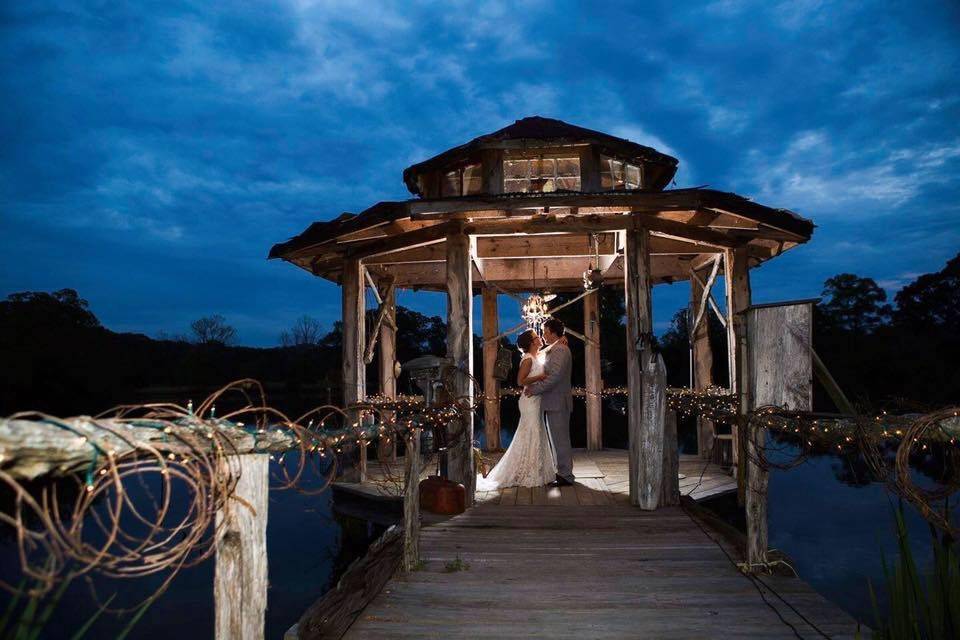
x: 534, y: 311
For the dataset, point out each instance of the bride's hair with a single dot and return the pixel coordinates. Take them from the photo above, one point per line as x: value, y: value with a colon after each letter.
x: 525, y: 339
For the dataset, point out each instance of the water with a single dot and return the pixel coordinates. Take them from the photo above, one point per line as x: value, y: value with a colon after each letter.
x: 308, y: 546
x: 832, y: 531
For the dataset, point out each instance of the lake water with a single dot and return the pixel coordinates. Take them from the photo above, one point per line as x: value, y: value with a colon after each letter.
x: 832, y: 531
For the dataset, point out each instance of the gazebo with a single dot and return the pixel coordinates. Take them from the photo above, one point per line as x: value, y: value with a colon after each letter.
x: 545, y: 205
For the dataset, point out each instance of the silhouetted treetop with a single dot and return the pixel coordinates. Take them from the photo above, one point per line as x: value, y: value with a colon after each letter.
x: 932, y: 301
x: 213, y: 330
x: 852, y: 303
x: 62, y: 309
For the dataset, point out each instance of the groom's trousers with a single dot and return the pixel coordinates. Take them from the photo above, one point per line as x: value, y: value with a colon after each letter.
x: 558, y: 426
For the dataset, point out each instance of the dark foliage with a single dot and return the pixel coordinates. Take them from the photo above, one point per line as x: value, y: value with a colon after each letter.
x: 58, y: 358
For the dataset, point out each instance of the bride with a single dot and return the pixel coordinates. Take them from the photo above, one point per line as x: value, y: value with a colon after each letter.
x: 529, y: 460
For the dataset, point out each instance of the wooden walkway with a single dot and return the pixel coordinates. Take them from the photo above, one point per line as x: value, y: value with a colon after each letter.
x: 581, y: 562
x: 575, y: 570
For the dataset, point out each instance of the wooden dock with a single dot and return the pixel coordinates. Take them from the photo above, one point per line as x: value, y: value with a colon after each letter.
x: 586, y: 571
x: 581, y: 562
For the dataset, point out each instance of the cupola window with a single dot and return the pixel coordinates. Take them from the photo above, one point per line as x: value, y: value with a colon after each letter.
x: 535, y: 175
x: 617, y: 175
x: 463, y: 181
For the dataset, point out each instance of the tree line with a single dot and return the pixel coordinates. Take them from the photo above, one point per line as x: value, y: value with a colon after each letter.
x: 59, y: 358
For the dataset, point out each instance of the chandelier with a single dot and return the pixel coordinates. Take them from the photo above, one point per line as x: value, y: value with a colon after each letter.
x: 534, y: 311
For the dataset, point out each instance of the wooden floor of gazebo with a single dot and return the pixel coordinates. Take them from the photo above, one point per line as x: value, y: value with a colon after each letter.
x: 601, y: 479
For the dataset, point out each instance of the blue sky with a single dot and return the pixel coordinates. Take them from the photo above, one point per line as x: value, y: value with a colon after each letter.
x: 152, y: 154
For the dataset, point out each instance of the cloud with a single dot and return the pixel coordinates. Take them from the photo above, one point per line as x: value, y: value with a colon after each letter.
x: 155, y: 140
x: 816, y: 172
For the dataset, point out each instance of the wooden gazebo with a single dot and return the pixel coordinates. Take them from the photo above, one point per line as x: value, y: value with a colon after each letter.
x: 532, y: 207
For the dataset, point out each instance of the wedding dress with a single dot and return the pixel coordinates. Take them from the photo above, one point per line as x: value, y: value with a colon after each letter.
x: 529, y: 460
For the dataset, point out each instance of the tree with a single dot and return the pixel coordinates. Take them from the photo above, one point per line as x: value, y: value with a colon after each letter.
x: 61, y: 309
x: 305, y: 332
x: 853, y: 304
x: 213, y: 330
x: 932, y: 301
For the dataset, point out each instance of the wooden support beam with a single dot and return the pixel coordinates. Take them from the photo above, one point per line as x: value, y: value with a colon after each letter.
x: 353, y: 317
x: 701, y: 308
x: 713, y: 303
x: 644, y: 471
x: 491, y: 386
x: 411, y: 502
x: 737, y: 283
x: 240, y: 575
x: 780, y: 372
x: 460, y: 350
x: 382, y: 312
x: 701, y: 367
x: 589, y: 168
x: 352, y: 348
x: 492, y: 170
x: 592, y: 377
x: 387, y: 447
x: 670, y: 488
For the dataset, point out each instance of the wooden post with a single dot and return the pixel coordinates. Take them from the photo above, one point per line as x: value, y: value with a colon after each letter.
x: 670, y: 489
x: 460, y: 350
x: 702, y: 365
x: 592, y: 377
x: 646, y: 446
x: 354, y: 370
x: 779, y: 353
x: 492, y: 170
x: 411, y: 502
x: 589, y: 169
x: 491, y: 386
x: 240, y: 575
x: 737, y: 283
x: 387, y: 449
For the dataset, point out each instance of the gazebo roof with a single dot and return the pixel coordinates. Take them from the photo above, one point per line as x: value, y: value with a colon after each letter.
x: 537, y: 131
x: 542, y: 233
x: 537, y: 237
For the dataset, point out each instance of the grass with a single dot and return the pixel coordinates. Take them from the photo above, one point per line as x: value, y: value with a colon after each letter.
x: 457, y: 564
x: 915, y: 610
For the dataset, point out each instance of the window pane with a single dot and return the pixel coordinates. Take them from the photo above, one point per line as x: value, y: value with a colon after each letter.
x: 568, y: 167
x: 633, y: 177
x: 516, y: 169
x: 569, y: 183
x: 472, y: 180
x: 450, y: 184
x: 516, y: 185
x: 547, y: 167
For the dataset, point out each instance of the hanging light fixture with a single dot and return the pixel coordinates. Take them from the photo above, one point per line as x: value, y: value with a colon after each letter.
x: 593, y: 277
x: 534, y: 311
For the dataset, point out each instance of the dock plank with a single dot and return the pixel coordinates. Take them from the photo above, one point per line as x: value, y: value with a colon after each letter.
x: 560, y: 568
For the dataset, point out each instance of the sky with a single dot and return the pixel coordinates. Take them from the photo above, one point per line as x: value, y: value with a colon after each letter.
x: 152, y: 154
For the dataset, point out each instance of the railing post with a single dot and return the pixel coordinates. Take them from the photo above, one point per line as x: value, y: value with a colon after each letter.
x: 670, y: 489
x: 240, y: 576
x: 411, y: 503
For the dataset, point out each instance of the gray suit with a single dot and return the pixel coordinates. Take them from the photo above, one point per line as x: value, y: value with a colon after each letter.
x: 556, y: 402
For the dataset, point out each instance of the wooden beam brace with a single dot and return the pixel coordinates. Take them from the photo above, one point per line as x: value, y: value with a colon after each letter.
x: 382, y: 312
x: 706, y: 293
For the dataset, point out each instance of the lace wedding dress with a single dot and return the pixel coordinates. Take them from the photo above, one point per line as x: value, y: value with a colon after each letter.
x: 528, y: 461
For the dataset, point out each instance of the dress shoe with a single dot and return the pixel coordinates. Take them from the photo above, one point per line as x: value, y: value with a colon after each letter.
x: 560, y: 482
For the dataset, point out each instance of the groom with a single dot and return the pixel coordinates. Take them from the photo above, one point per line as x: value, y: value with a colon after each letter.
x: 556, y: 399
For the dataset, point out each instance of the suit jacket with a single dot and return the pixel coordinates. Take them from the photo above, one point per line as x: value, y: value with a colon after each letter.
x: 554, y: 390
